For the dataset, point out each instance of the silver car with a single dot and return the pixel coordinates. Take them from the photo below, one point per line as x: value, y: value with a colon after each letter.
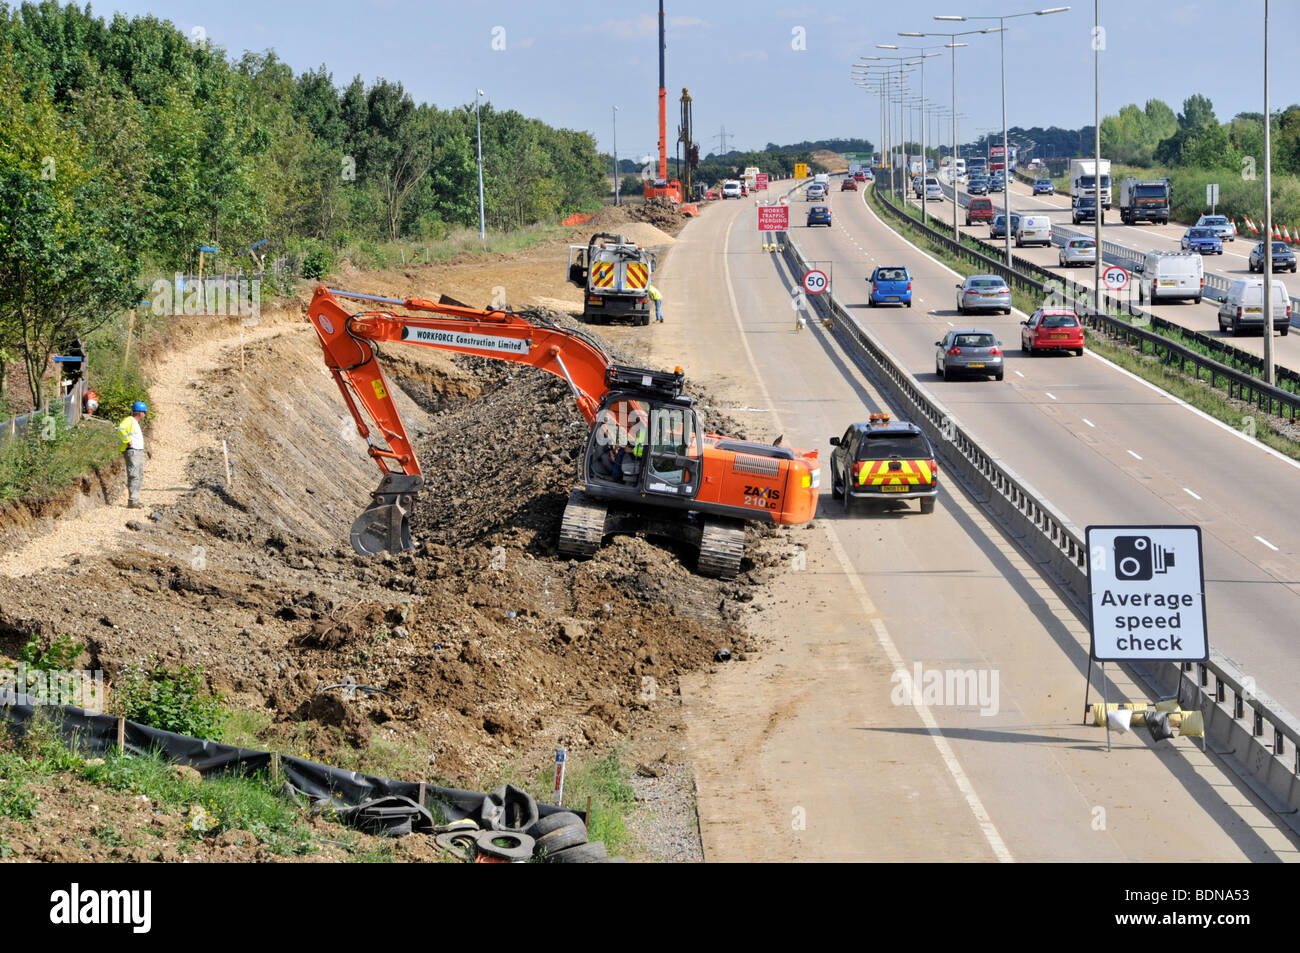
x: 983, y: 293
x: 972, y: 351
x: 1221, y: 224
x: 816, y: 191
x: 1078, y: 251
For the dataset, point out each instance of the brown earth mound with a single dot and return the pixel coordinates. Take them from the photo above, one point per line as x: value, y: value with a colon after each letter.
x: 480, y: 645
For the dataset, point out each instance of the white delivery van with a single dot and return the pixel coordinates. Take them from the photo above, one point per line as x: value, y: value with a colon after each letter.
x: 822, y: 178
x: 1170, y: 275
x: 1034, y: 230
x: 1243, y: 308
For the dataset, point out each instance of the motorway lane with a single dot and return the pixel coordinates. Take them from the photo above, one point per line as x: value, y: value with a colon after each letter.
x: 801, y: 753
x: 1202, y: 317
x: 1106, y: 448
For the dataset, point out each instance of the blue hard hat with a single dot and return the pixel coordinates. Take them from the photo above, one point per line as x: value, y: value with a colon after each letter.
x: 139, y: 407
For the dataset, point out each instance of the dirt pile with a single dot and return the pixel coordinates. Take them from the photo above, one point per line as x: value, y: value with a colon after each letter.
x: 480, y: 645
x: 660, y: 213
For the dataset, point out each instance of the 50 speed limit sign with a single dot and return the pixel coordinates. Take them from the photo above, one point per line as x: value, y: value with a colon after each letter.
x: 1115, y: 278
x: 814, y: 282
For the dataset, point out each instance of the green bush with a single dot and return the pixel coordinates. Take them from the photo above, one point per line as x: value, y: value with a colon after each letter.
x: 170, y: 699
x: 314, y: 259
x: 118, y: 390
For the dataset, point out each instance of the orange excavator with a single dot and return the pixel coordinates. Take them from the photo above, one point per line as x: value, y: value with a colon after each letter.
x: 648, y: 464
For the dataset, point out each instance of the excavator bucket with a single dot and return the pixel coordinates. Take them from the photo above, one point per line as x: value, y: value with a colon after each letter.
x: 385, y: 524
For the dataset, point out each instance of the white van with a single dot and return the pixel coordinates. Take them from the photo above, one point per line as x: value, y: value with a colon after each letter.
x: 1243, y: 308
x: 1034, y: 230
x: 823, y: 178
x: 961, y: 167
x: 1169, y: 275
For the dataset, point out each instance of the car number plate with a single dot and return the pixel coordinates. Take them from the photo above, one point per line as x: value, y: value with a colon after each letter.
x: 1059, y: 336
x: 974, y: 365
x: 1254, y: 310
x: 988, y: 294
x: 895, y: 488
x: 1166, y: 284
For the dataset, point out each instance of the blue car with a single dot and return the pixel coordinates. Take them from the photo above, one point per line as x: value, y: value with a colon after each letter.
x: 1044, y: 187
x: 890, y: 284
x: 1205, y: 241
x: 819, y: 215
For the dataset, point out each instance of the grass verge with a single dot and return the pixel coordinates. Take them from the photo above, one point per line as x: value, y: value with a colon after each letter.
x: 1270, y: 430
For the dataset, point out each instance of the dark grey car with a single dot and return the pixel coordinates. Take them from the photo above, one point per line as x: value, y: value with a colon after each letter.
x: 972, y: 351
x: 1283, y: 257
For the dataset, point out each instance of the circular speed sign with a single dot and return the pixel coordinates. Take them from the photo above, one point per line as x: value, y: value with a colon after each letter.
x: 814, y: 282
x: 1115, y: 278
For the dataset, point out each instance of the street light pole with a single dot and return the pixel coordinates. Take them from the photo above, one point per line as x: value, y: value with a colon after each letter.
x: 1006, y: 152
x: 482, y: 220
x: 925, y: 217
x: 1098, y: 211
x: 615, y: 114
x: 1270, y: 373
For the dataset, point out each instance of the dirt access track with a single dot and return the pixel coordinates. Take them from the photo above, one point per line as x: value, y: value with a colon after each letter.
x: 492, y: 650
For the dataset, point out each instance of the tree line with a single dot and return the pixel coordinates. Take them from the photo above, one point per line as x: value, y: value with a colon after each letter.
x: 126, y: 145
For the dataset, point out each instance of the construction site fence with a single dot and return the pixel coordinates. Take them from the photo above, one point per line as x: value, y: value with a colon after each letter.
x: 1256, y: 736
x: 70, y: 405
x: 96, y: 734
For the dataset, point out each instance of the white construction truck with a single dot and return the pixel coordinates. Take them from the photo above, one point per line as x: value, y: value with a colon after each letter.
x: 1083, y: 180
x: 614, y: 274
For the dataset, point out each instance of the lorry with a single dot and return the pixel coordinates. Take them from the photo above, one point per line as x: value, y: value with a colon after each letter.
x: 978, y: 165
x: 1083, y: 180
x: 614, y: 274
x: 1144, y: 200
x: 649, y: 463
x: 750, y: 178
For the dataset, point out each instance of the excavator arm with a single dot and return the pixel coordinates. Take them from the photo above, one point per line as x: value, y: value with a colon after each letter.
x: 350, y: 343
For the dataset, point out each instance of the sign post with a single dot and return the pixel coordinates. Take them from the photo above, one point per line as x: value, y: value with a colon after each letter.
x: 1212, y: 195
x: 801, y: 170
x: 760, y: 181
x: 1147, y: 592
x: 814, y: 282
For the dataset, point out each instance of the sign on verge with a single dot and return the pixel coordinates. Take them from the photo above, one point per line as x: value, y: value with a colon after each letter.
x: 1147, y: 587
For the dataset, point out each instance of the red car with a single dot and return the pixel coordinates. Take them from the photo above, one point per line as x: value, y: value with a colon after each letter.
x: 848, y: 185
x: 979, y: 210
x: 859, y: 176
x: 1052, y: 329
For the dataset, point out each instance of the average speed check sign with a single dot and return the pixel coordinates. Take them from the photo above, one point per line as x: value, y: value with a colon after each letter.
x: 1147, y: 587
x: 1115, y: 278
x: 814, y: 282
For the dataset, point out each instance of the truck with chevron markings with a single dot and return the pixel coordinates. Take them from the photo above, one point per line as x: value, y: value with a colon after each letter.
x: 614, y: 274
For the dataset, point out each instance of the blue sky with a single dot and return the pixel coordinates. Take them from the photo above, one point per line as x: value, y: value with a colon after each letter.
x: 568, y: 63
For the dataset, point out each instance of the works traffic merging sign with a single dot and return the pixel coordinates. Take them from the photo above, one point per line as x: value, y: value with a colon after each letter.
x: 773, y: 218
x: 760, y: 181
x: 1147, y: 587
x: 801, y: 170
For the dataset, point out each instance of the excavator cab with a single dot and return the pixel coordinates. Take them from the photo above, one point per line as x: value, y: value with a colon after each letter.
x: 641, y: 447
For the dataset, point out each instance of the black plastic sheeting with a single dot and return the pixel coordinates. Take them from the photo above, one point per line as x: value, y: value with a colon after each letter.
x: 325, y: 786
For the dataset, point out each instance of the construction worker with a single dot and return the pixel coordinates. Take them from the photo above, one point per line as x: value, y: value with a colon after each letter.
x: 657, y: 298
x: 132, y: 438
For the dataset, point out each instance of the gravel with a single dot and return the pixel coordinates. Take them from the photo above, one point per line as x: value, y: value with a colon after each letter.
x: 665, y: 824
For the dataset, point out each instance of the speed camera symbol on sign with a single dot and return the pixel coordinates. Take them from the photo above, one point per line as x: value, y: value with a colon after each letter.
x: 1115, y: 278
x: 814, y: 282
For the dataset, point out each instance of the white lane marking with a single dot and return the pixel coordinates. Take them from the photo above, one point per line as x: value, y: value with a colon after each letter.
x: 951, y: 325
x: 1240, y: 435
x: 950, y: 761
x: 1050, y: 394
x: 1194, y: 496
x: 1089, y: 422
x: 1133, y: 455
x: 1018, y: 374
x: 1267, y: 543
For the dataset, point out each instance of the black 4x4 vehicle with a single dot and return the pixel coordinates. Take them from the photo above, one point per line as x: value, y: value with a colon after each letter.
x: 880, y: 461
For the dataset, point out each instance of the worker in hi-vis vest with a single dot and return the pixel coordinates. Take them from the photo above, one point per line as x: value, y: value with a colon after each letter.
x: 657, y: 298
x: 132, y: 438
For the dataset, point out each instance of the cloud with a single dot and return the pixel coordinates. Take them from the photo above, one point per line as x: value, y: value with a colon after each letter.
x: 642, y: 26
x: 685, y: 21
x: 522, y: 44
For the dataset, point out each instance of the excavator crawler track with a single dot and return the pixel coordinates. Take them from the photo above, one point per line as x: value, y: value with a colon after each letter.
x: 722, y: 544
x: 583, y: 525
